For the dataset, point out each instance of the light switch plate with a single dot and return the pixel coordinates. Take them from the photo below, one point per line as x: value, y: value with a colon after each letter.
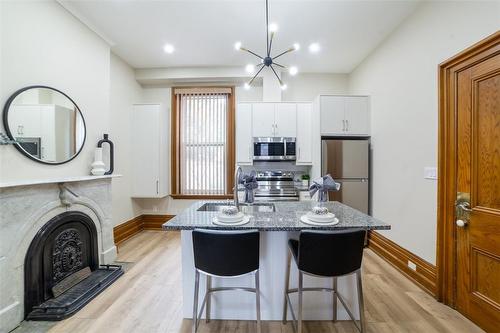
x: 430, y: 173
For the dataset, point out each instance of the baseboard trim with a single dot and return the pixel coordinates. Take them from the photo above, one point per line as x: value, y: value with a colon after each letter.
x: 124, y: 231
x: 425, y: 275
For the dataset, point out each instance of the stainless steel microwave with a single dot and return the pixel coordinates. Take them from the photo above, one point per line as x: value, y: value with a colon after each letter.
x: 273, y: 149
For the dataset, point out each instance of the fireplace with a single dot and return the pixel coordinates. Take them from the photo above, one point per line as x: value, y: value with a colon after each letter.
x: 62, y: 271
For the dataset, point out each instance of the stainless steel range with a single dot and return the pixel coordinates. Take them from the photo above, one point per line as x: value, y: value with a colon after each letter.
x: 276, y: 186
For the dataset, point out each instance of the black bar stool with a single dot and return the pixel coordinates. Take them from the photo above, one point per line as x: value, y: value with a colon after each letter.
x: 328, y: 255
x: 224, y: 254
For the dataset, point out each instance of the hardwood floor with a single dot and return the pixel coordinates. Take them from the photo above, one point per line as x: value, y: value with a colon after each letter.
x: 148, y: 299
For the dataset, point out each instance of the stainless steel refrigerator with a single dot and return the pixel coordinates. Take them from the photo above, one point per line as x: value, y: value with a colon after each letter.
x: 348, y: 162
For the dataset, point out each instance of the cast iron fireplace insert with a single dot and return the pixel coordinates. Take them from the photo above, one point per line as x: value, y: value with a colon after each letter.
x: 62, y: 271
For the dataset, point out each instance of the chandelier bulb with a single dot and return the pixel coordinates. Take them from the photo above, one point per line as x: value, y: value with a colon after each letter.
x: 293, y: 70
x: 237, y: 46
x: 283, y: 86
x: 273, y: 27
x: 249, y: 68
x: 296, y: 46
x: 246, y: 86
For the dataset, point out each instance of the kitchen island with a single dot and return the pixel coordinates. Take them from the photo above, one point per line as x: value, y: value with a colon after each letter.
x: 277, y: 222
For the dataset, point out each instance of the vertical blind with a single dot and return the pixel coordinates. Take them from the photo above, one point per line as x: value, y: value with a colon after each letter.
x: 202, y: 141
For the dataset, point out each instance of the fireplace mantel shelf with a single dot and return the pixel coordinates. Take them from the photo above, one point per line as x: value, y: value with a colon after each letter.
x: 54, y: 180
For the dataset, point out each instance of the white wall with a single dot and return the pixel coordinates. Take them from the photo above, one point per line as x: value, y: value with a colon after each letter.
x: 124, y: 92
x: 41, y: 43
x: 306, y: 86
x: 401, y: 77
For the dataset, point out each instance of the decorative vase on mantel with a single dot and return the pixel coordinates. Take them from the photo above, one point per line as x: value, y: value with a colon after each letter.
x: 98, y: 167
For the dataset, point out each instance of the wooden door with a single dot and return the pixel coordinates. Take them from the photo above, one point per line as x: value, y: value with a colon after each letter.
x: 472, y: 98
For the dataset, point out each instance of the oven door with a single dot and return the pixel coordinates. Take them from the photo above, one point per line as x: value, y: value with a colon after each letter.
x: 268, y: 149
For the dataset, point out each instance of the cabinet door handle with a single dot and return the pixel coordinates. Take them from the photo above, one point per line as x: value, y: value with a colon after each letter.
x: 250, y: 153
x: 299, y: 153
x: 347, y: 125
x: 157, y: 187
x: 343, y: 125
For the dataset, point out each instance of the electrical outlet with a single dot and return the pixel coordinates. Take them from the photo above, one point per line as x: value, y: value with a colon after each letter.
x: 412, y: 265
x: 430, y: 173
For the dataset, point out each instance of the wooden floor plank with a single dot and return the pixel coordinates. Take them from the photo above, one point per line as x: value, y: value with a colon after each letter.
x: 148, y: 298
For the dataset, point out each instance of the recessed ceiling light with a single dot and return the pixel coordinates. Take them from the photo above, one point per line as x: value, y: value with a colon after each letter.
x: 250, y: 68
x: 169, y: 48
x: 293, y: 70
x: 314, y: 48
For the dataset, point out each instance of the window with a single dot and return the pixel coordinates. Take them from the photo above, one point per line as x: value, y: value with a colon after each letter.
x: 202, y: 142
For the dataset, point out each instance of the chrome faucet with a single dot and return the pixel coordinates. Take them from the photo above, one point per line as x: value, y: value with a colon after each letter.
x: 237, y: 174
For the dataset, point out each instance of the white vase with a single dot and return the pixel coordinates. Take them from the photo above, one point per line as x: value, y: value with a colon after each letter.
x: 98, y: 165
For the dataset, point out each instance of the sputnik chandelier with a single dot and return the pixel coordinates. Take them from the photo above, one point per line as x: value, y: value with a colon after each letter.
x: 269, y: 60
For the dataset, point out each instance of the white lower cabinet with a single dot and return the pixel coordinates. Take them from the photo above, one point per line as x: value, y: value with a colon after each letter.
x: 303, y: 149
x: 244, y: 145
x: 149, y: 151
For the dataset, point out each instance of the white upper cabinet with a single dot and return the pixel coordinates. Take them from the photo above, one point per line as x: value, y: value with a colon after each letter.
x: 244, y: 153
x: 344, y: 115
x: 274, y: 119
x: 357, y: 115
x: 304, y: 134
x: 285, y: 120
x: 332, y: 114
x: 263, y: 119
x: 149, y: 147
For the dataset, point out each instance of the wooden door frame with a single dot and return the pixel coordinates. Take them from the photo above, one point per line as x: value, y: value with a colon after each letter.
x: 447, y: 169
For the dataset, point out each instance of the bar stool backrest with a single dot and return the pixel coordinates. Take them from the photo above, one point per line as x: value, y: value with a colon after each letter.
x: 226, y: 253
x: 331, y: 253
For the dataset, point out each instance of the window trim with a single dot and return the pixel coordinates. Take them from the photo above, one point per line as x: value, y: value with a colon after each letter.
x: 175, y: 147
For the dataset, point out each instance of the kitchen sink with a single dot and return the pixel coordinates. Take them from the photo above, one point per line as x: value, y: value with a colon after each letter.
x: 261, y: 207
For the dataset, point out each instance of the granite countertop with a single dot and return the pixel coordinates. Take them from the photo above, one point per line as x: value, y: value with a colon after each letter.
x: 285, y: 218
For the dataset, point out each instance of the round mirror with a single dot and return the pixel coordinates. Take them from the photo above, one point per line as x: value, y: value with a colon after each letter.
x: 47, y: 125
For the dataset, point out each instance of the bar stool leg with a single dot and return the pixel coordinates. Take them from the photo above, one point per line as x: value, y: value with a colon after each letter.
x: 287, y: 286
x: 257, y: 300
x: 301, y: 281
x: 195, y: 301
x: 334, y: 287
x: 360, y: 301
x: 208, y: 295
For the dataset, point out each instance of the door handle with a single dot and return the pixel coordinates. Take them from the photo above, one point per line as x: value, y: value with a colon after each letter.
x: 462, y: 209
x: 464, y: 206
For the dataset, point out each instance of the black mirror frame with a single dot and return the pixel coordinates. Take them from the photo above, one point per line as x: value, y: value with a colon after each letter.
x: 18, y: 147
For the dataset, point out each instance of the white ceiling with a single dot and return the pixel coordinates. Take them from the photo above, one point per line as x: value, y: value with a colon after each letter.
x: 204, y: 31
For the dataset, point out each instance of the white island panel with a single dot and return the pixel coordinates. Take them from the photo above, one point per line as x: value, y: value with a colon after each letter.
x: 238, y: 305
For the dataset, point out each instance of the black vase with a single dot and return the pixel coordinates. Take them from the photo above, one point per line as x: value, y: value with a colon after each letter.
x: 111, y: 153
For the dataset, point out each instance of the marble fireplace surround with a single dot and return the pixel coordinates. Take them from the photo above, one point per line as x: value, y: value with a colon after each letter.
x: 24, y: 208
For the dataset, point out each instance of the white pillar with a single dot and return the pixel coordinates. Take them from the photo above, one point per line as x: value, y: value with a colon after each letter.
x: 271, y: 90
